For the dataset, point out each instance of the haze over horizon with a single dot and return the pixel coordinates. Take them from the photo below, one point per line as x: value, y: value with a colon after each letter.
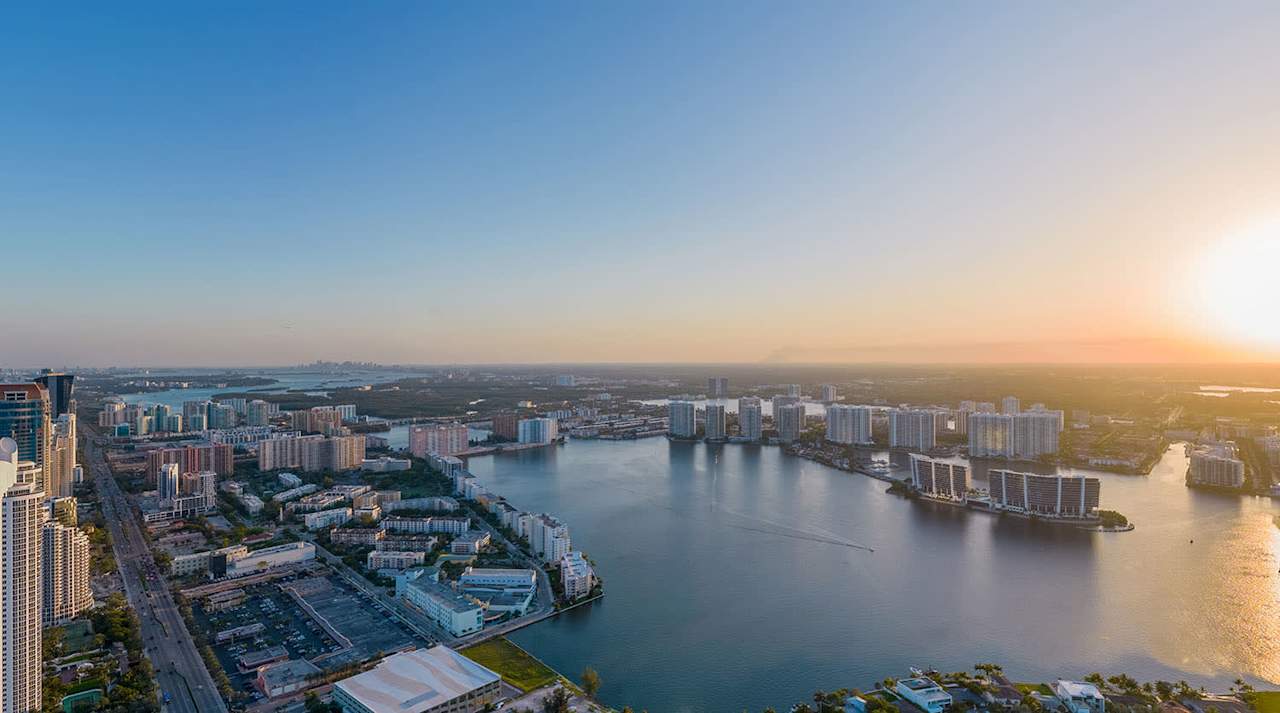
x: 247, y: 184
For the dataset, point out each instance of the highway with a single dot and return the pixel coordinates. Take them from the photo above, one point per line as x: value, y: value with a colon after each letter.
x: 180, y: 672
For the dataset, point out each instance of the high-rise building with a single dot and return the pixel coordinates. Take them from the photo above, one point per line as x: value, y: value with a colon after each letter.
x: 793, y: 390
x: 789, y: 421
x: 828, y: 393
x: 59, y: 386
x: 717, y: 387
x: 683, y: 419
x: 174, y: 423
x: 1010, y: 405
x: 715, y: 428
x: 346, y: 412
x: 849, y: 424
x: 62, y: 456
x: 65, y: 572
x: 1055, y: 495
x: 1216, y: 465
x: 21, y: 517
x: 258, y: 413
x: 940, y: 479
x: 538, y: 430
x: 549, y: 537
x: 1026, y: 435
x: 24, y: 417
x: 63, y: 510
x: 160, y: 417
x: 442, y: 439
x: 914, y: 429
x: 750, y: 418
x: 167, y: 483
x: 222, y: 415
x: 218, y: 457
x: 506, y: 425
x: 191, y: 409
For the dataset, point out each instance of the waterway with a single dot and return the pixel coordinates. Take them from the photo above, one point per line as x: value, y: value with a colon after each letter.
x: 315, y: 383
x: 738, y: 577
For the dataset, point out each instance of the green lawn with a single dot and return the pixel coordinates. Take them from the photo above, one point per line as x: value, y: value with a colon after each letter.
x: 515, y: 665
x: 1268, y: 701
x: 1037, y: 687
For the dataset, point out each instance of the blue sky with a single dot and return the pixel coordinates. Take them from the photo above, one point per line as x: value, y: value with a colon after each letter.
x: 241, y: 183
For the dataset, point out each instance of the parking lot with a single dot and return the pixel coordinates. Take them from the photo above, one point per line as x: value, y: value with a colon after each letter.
x: 320, y: 619
x: 366, y: 625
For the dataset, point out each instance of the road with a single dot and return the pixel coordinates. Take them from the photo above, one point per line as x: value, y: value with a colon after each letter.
x: 180, y: 672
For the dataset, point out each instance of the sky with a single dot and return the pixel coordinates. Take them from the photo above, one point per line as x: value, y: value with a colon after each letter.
x: 415, y: 182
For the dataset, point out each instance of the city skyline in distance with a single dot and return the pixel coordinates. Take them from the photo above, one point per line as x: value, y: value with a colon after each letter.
x: 643, y: 184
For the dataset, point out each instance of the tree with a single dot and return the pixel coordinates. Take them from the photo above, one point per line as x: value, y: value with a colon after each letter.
x: 590, y: 682
x: 556, y: 702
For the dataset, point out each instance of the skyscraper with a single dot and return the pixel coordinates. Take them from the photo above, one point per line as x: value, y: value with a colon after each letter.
x: 715, y: 422
x: 167, y: 483
x: 789, y: 421
x: 849, y: 424
x: 828, y: 393
x: 59, y: 387
x: 717, y: 387
x: 1028, y: 434
x: 915, y: 429
x: 21, y: 516
x: 24, y: 417
x: 1010, y: 405
x: 683, y: 419
x: 62, y: 456
x: 750, y: 418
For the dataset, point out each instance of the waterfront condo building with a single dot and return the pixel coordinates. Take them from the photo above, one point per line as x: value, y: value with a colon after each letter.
x: 849, y: 424
x: 1054, y: 495
x: 506, y: 425
x: 750, y: 418
x: 456, y: 613
x: 21, y: 598
x: 576, y: 575
x: 538, y: 430
x: 828, y: 392
x: 913, y: 429
x: 549, y: 537
x: 715, y: 429
x: 1027, y: 435
x: 443, y: 439
x: 1010, y: 405
x: 683, y: 418
x: 789, y: 421
x: 793, y: 390
x: 717, y: 387
x: 940, y: 479
x: 1216, y: 465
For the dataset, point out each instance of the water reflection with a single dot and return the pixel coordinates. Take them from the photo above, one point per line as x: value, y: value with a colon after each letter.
x: 735, y: 578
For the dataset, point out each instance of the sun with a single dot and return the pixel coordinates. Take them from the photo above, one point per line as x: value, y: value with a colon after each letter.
x: 1236, y: 287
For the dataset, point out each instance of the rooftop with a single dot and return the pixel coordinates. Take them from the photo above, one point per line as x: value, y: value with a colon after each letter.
x: 1077, y: 689
x: 417, y: 680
